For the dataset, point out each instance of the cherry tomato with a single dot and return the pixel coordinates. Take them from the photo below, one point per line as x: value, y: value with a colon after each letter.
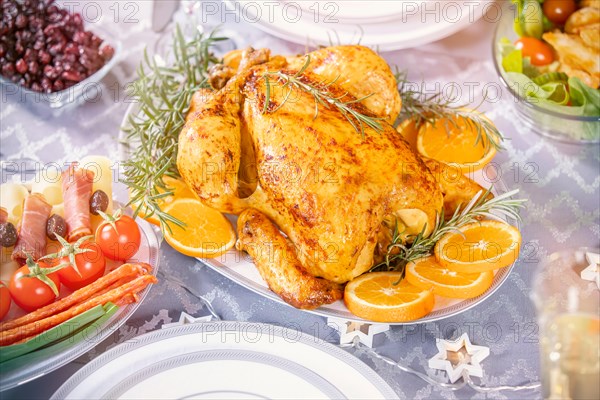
x: 91, y: 266
x: 558, y: 11
x: 31, y: 293
x: 4, y: 300
x: 120, y: 244
x: 539, y: 52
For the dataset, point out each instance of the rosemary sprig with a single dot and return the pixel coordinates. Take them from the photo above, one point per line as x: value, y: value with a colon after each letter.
x: 425, y: 108
x: 399, y: 253
x: 164, y: 94
x: 322, y: 96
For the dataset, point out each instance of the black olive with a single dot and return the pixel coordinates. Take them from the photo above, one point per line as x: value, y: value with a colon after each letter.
x: 56, y: 225
x: 98, y: 201
x: 8, y: 234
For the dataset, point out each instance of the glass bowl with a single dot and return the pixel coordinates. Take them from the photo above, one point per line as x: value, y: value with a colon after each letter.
x: 76, y: 94
x: 545, y: 122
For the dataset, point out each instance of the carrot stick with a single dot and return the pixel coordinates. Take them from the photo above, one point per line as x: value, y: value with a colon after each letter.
x: 78, y: 296
x: 127, y: 299
x: 11, y: 336
x: 115, y: 285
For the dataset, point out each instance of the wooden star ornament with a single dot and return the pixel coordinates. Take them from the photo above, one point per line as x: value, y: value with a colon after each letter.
x: 348, y: 330
x: 459, y: 356
x: 592, y: 271
x: 185, y: 319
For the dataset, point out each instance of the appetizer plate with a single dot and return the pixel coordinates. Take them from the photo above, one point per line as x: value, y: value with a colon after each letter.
x: 40, y: 362
x: 222, y: 360
x: 239, y: 267
x: 395, y: 25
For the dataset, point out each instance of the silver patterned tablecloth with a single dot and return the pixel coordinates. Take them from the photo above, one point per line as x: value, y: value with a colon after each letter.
x: 560, y: 181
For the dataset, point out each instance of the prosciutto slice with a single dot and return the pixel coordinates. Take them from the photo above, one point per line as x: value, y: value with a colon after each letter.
x: 3, y: 215
x: 77, y: 190
x: 32, y: 231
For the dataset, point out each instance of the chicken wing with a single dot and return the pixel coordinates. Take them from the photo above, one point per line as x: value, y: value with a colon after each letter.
x: 275, y: 258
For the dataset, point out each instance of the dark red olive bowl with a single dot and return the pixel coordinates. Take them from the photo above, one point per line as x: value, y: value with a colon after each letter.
x: 89, y: 89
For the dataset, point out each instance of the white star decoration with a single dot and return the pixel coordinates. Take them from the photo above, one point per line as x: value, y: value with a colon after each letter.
x: 458, y: 356
x: 185, y: 319
x: 592, y: 272
x: 348, y: 330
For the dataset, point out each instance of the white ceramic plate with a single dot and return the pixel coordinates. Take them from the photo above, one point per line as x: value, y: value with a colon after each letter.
x: 223, y: 360
x: 397, y: 25
x: 239, y: 267
x: 40, y: 362
x: 351, y: 11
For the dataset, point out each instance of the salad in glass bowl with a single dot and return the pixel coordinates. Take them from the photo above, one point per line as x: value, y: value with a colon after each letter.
x: 547, y: 52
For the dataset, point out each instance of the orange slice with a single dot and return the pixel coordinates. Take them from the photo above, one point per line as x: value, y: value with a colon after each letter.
x: 426, y: 273
x: 479, y: 246
x: 180, y: 191
x: 453, y: 141
x: 374, y: 296
x: 207, y: 232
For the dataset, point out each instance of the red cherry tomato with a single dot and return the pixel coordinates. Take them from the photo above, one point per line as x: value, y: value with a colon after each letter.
x: 120, y: 244
x: 31, y: 293
x: 558, y: 11
x: 539, y: 52
x: 91, y: 266
x: 4, y: 300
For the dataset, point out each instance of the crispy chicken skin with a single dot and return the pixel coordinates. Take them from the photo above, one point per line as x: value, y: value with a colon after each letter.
x: 576, y: 58
x: 578, y: 48
x: 323, y: 184
x: 275, y: 258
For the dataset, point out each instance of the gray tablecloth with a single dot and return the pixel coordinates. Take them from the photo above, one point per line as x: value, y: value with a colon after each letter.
x: 560, y: 181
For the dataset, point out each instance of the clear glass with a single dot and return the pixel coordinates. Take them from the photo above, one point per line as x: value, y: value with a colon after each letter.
x: 569, y: 319
x: 554, y: 125
x: 76, y: 94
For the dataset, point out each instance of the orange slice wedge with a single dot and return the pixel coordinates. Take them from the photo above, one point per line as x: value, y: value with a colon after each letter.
x: 454, y: 141
x: 180, y: 191
x: 426, y: 273
x: 479, y: 246
x: 207, y: 232
x: 376, y: 297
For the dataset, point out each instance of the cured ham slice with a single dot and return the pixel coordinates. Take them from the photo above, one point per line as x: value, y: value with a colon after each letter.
x: 3, y: 215
x: 77, y: 190
x: 32, y: 232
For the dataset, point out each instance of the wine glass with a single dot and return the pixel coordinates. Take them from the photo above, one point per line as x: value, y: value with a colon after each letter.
x: 568, y: 310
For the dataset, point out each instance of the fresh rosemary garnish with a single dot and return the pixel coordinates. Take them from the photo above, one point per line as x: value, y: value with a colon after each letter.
x: 164, y: 94
x: 424, y: 108
x: 323, y: 97
x: 400, y: 253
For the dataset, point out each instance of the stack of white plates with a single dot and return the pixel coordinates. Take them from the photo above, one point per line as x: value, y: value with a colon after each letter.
x: 386, y: 25
x: 224, y: 360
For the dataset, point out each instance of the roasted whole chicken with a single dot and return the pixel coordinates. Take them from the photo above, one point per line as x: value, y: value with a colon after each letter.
x: 313, y: 191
